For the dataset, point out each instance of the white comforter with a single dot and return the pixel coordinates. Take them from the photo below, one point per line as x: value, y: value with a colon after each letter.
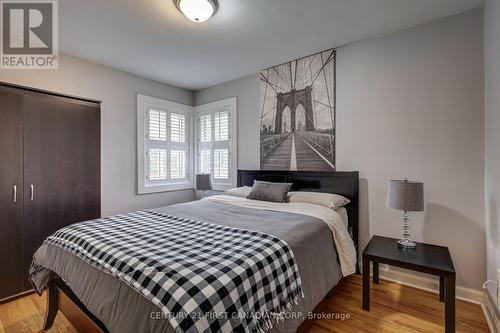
x: 343, y: 242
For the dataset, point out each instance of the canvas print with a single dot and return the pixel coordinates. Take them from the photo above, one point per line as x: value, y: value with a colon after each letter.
x: 297, y: 123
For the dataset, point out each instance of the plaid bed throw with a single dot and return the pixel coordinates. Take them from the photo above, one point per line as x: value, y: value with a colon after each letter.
x: 203, y: 277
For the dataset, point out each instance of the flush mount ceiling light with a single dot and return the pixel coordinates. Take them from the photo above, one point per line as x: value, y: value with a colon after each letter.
x: 197, y: 10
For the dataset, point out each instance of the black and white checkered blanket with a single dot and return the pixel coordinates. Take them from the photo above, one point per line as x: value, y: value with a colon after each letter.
x: 204, y: 277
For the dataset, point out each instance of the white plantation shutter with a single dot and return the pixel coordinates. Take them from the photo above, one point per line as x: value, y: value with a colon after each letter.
x: 216, y: 146
x: 205, y: 161
x: 205, y: 143
x: 157, y: 164
x: 206, y: 128
x: 164, y: 145
x: 221, y: 126
x: 157, y: 125
x: 177, y: 164
x: 221, y: 164
x: 178, y: 143
x: 221, y: 145
x: 177, y: 127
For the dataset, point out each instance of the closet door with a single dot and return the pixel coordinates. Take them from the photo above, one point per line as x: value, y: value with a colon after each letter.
x: 11, y: 185
x: 61, y: 166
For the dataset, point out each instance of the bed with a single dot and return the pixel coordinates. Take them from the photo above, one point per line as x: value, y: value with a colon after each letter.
x: 96, y: 301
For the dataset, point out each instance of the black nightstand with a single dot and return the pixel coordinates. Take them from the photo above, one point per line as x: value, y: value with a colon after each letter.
x: 431, y: 259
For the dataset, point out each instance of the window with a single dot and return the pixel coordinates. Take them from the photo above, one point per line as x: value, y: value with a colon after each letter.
x: 216, y: 142
x: 164, y: 145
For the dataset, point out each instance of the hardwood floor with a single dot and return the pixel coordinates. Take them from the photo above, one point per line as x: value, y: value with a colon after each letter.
x: 26, y: 314
x: 395, y: 309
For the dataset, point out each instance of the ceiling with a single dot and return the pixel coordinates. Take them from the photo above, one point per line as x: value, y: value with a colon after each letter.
x: 151, y: 38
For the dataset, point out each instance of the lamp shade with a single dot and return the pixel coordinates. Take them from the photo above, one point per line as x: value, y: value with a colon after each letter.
x: 203, y: 182
x: 405, y: 195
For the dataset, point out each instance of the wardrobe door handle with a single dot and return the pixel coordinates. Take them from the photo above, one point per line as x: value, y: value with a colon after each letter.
x: 15, y: 194
x: 32, y: 189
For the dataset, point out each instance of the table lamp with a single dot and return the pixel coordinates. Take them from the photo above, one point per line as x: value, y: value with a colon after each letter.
x: 203, y: 183
x: 407, y: 196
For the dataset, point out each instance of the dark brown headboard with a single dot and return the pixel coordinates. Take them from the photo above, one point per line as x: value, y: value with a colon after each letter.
x: 345, y: 183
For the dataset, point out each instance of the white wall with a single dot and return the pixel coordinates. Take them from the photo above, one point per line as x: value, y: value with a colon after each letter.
x: 492, y: 152
x: 117, y: 91
x: 409, y: 105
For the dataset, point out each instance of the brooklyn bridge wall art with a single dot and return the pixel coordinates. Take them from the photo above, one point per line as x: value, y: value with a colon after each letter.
x: 297, y: 123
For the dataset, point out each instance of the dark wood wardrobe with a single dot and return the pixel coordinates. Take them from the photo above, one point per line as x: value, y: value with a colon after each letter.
x: 49, y: 174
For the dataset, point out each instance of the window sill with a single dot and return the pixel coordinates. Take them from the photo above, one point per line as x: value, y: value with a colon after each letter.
x: 148, y: 189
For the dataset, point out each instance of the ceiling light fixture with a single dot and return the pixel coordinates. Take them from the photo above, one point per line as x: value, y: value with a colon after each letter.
x: 197, y: 10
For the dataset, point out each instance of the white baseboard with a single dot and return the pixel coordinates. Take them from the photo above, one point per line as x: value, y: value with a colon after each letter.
x: 491, y: 314
x: 429, y: 284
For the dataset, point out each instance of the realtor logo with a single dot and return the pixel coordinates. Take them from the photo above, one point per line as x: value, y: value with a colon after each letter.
x: 29, y: 34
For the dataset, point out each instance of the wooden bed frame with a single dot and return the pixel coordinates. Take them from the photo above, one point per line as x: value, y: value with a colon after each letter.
x: 60, y: 297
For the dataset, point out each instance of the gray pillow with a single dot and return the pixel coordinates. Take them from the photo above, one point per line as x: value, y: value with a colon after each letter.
x: 267, y: 191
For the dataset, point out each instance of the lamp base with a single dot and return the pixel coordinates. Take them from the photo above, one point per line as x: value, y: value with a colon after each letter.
x: 406, y: 244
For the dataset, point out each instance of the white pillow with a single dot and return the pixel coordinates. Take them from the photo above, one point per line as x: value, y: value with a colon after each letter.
x: 329, y: 200
x: 241, y: 192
